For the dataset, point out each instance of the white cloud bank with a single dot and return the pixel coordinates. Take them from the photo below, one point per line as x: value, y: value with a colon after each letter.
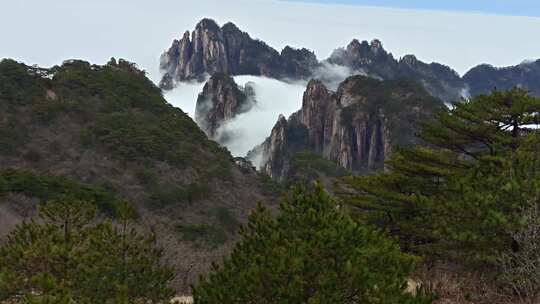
x: 184, y: 96
x: 251, y: 128
x: 273, y: 98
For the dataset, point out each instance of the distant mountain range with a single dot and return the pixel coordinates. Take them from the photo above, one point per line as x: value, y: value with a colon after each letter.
x: 352, y: 119
x: 227, y: 49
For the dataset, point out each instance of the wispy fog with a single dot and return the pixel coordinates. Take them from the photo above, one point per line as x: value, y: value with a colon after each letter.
x: 332, y: 74
x: 251, y: 128
x: 184, y: 96
x: 273, y: 97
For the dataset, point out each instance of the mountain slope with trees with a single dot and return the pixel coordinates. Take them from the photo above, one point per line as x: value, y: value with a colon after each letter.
x: 106, y: 134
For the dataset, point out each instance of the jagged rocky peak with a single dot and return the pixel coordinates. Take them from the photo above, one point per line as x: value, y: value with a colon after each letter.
x: 299, y: 63
x: 193, y: 58
x: 212, y: 49
x: 316, y: 101
x: 221, y: 100
x: 274, y: 152
x: 303, y: 54
x: 355, y: 127
x: 371, y: 58
x: 359, y: 53
x: 315, y: 88
x: 376, y: 45
x: 409, y: 59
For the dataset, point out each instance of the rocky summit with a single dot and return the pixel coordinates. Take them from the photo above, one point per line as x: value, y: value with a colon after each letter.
x: 372, y: 59
x: 355, y: 127
x: 211, y: 49
x: 220, y: 101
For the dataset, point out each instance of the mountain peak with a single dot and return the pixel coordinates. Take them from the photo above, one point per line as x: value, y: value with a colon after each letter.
x: 376, y: 44
x: 186, y: 36
x: 364, y: 49
x: 354, y: 43
x: 409, y: 60
x: 207, y: 23
x: 314, y: 87
x: 229, y: 26
x: 229, y: 50
x: 220, y: 101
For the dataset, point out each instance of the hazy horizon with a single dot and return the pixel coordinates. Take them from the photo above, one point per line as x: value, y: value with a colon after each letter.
x: 140, y: 31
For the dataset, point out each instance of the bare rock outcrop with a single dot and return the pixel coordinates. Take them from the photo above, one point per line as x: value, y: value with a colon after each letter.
x: 211, y: 49
x: 356, y: 127
x: 220, y: 101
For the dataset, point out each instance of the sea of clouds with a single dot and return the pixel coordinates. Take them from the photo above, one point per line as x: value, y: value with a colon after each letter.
x: 247, y: 130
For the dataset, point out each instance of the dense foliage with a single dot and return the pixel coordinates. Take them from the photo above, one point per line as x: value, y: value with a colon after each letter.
x: 306, y: 165
x: 311, y: 253
x: 70, y: 256
x: 101, y: 124
x: 48, y: 187
x: 120, y: 110
x: 460, y: 195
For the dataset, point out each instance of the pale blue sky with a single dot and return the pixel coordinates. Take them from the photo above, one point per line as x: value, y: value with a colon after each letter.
x: 48, y: 32
x: 500, y: 7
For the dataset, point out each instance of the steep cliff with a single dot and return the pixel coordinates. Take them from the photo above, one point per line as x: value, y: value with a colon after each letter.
x: 221, y: 100
x: 211, y: 49
x: 484, y: 78
x: 356, y: 127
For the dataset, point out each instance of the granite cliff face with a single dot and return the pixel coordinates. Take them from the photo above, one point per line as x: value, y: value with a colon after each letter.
x: 211, y: 49
x: 484, y: 78
x: 355, y: 127
x: 221, y: 100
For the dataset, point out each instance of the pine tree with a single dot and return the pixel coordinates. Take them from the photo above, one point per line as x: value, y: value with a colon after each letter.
x: 456, y: 195
x: 311, y: 253
x: 68, y: 255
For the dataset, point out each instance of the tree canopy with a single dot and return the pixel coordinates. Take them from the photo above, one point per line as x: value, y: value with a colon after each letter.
x: 68, y: 255
x: 458, y: 195
x: 311, y: 253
